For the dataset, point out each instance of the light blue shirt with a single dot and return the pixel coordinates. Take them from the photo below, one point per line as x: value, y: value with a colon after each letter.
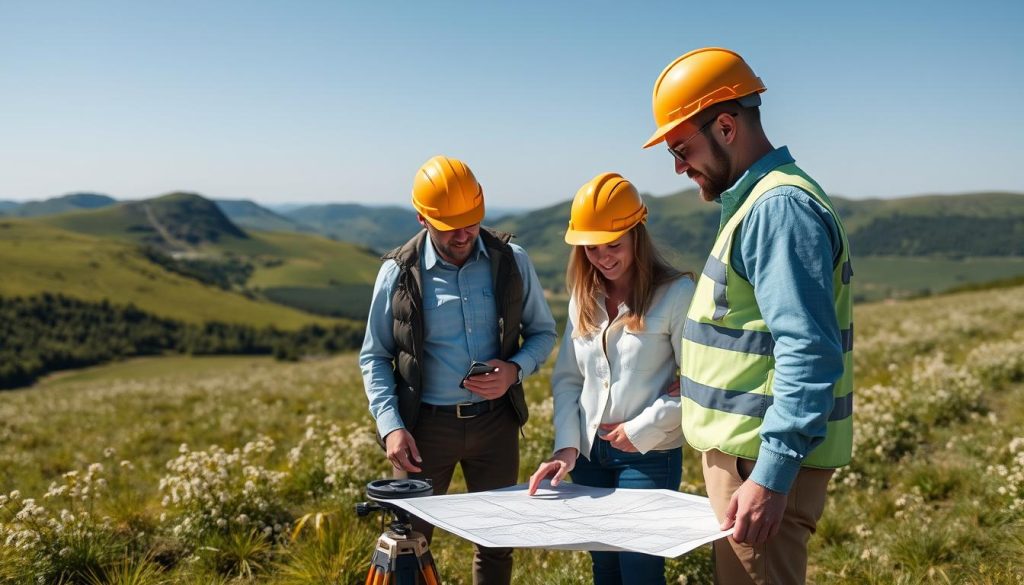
x: 460, y: 325
x: 787, y: 247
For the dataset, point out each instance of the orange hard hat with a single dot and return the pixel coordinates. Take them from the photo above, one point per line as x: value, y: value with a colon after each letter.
x: 604, y: 209
x: 696, y: 81
x: 447, y: 195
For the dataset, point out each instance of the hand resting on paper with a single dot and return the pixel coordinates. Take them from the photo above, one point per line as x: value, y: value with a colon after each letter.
x: 561, y: 463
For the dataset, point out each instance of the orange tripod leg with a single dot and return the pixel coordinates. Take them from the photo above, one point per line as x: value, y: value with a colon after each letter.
x: 430, y: 575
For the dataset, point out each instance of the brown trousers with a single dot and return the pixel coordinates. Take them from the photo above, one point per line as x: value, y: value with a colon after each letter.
x: 487, y: 447
x: 783, y: 559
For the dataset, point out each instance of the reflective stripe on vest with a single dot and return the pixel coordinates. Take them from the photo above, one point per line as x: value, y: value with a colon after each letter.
x: 728, y: 364
x: 744, y: 340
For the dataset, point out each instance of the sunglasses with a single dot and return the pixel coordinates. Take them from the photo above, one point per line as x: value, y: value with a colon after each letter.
x: 679, y: 150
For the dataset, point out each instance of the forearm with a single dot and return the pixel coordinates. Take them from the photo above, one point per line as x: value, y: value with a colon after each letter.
x: 538, y: 325
x: 379, y: 384
x: 654, y: 423
x: 377, y: 355
x: 789, y: 250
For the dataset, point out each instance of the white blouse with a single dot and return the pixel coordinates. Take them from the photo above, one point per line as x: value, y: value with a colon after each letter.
x: 626, y: 384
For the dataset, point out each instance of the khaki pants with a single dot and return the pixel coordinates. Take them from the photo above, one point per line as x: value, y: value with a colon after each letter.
x: 783, y: 559
x: 487, y: 448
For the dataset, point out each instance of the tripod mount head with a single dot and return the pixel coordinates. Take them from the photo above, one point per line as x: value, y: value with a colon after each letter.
x: 381, y: 490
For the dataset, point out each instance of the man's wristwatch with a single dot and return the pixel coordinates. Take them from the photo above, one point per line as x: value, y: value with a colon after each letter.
x: 519, y: 372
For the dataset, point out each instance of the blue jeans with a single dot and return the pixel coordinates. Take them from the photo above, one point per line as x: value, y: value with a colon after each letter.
x: 609, y: 467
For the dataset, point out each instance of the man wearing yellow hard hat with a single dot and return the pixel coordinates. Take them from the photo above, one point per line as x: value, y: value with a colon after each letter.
x: 767, y: 377
x: 457, y: 320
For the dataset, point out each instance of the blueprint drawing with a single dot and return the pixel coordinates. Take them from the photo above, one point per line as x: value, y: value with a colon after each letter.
x: 574, y: 517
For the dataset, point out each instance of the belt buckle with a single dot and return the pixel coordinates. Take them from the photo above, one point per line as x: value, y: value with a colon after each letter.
x: 458, y: 410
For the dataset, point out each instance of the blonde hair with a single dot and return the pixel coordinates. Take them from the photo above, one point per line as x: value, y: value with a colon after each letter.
x: 585, y: 283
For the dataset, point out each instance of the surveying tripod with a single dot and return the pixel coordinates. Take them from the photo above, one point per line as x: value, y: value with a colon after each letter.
x: 401, y: 556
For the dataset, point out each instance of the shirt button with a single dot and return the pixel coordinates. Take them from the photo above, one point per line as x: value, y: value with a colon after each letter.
x: 469, y: 330
x: 606, y: 383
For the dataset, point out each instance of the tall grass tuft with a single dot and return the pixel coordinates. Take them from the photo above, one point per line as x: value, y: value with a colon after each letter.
x: 242, y: 554
x: 130, y: 571
x: 325, y: 549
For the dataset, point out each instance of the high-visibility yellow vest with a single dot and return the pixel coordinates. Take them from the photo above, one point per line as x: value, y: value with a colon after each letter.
x: 728, y: 363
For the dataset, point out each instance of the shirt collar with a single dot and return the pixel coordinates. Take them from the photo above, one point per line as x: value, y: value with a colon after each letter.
x: 732, y: 198
x: 431, y: 257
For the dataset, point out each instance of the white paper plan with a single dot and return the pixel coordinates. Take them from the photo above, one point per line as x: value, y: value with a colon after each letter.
x: 574, y: 517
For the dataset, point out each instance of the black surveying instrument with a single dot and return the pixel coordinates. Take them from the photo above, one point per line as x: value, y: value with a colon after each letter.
x: 401, y: 556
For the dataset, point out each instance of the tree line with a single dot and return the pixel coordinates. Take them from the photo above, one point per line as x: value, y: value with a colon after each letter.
x: 49, y: 332
x: 228, y: 273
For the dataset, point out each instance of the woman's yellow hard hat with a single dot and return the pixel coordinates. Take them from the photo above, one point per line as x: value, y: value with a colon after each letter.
x: 604, y: 209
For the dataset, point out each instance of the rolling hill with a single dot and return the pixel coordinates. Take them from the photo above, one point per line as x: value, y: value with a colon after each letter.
x: 176, y: 222
x: 315, y: 274
x: 191, y: 235
x: 902, y: 247
x: 250, y: 215
x: 40, y: 258
x: 63, y: 204
x: 378, y: 228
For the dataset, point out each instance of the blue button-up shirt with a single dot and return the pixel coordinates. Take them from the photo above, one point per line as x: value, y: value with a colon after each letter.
x: 461, y: 325
x: 786, y: 248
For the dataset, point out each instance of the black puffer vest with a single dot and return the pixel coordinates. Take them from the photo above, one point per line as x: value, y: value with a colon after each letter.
x: 407, y: 308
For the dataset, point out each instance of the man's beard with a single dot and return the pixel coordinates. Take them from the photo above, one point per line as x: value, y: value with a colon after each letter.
x: 455, y: 255
x: 718, y: 177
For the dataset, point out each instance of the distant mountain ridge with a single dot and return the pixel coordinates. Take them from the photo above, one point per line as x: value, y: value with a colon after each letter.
x: 251, y: 215
x: 952, y: 239
x: 943, y: 228
x: 55, y: 205
x: 379, y: 228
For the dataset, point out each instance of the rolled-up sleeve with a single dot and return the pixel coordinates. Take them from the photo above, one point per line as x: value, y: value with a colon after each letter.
x: 538, y: 326
x: 788, y: 248
x: 377, y: 356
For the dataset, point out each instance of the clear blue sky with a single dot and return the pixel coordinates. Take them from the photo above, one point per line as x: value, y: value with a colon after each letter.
x: 319, y: 101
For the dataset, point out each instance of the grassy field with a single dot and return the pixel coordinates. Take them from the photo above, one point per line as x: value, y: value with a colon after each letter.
x: 314, y: 260
x: 900, y: 277
x: 316, y: 274
x: 145, y: 368
x: 351, y: 301
x: 38, y: 258
x: 194, y: 470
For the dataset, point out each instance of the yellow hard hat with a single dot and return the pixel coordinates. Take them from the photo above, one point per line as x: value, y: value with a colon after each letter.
x: 447, y: 195
x: 604, y: 209
x: 698, y: 80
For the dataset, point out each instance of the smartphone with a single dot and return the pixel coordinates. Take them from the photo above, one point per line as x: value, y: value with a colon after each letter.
x: 477, y: 369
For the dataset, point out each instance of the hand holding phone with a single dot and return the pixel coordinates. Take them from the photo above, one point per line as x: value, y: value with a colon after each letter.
x: 477, y: 369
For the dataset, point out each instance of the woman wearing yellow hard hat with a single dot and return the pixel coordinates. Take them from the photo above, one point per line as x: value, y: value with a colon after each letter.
x: 616, y: 406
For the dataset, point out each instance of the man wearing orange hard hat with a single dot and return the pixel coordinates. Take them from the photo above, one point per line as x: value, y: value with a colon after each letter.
x: 767, y: 370
x: 457, y: 320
